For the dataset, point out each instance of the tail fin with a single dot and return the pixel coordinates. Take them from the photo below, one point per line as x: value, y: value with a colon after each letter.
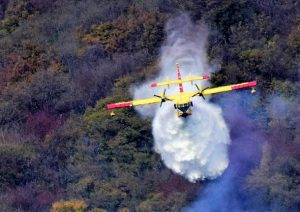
x: 179, y: 78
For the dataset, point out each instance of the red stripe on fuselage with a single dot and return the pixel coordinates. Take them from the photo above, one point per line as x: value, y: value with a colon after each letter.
x: 119, y: 105
x: 179, y: 78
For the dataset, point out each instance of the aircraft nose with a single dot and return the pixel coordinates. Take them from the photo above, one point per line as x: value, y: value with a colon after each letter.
x: 184, y: 115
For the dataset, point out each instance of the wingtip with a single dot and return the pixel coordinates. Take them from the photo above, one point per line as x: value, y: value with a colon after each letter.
x: 154, y: 84
x: 110, y: 106
x: 244, y: 85
x: 119, y: 105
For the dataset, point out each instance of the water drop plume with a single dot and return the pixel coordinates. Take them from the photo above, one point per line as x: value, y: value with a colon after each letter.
x: 195, y: 147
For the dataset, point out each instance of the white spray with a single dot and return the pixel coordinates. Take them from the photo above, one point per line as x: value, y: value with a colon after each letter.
x: 195, y: 147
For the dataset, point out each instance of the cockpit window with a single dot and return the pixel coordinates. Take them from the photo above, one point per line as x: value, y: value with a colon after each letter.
x: 183, y: 105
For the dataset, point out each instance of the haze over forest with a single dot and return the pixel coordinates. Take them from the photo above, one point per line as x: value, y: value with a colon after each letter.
x: 62, y: 61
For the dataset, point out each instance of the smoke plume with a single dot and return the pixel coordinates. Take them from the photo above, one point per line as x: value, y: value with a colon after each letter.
x: 195, y: 147
x: 228, y: 192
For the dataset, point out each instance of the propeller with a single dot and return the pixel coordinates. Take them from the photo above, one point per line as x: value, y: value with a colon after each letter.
x: 163, y: 98
x: 199, y: 93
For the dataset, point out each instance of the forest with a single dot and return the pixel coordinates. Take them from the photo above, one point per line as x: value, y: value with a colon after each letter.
x: 62, y: 61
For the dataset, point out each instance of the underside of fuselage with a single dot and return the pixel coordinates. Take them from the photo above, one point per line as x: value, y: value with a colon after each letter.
x: 184, y: 115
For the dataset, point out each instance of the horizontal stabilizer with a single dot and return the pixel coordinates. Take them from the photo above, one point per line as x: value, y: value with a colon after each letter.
x: 184, y: 80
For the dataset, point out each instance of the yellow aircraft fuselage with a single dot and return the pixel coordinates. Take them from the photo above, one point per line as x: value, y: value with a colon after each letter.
x: 183, y: 105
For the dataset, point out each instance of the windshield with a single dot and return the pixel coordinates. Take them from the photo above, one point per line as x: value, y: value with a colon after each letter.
x: 184, y: 107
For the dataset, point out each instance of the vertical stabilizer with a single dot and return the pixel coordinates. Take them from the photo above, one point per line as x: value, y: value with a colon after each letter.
x: 179, y: 78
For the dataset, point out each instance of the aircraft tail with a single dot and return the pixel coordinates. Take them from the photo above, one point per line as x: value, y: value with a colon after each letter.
x: 179, y: 78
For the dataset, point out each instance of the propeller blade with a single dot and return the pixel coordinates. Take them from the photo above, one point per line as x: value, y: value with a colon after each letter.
x: 163, y: 97
x: 202, y: 93
x: 197, y: 87
x: 164, y: 93
x: 199, y: 93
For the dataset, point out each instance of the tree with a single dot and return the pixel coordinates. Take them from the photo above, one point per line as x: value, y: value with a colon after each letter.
x: 69, y: 206
x: 17, y: 167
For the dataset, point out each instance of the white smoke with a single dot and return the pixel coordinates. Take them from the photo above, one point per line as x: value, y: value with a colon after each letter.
x: 195, y: 147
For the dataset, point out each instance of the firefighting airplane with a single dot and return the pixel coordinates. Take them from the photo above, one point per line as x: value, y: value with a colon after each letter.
x: 182, y: 100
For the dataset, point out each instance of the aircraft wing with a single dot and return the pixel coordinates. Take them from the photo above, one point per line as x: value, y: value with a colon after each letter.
x: 139, y: 102
x: 178, y: 81
x: 226, y: 88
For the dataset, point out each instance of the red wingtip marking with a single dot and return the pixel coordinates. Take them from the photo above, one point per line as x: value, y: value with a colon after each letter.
x: 153, y: 84
x: 205, y: 77
x: 119, y: 105
x: 246, y: 85
x: 110, y: 106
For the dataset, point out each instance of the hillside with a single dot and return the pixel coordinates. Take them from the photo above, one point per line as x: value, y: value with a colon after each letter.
x: 62, y: 61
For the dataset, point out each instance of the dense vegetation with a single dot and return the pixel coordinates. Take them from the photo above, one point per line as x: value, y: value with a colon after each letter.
x: 62, y: 61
